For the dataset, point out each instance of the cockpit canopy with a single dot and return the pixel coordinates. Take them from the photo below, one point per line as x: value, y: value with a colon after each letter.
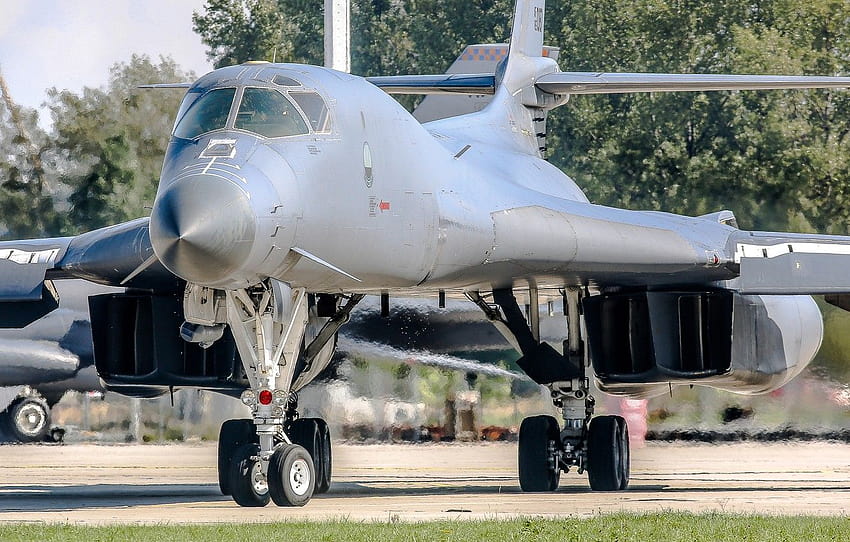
x: 284, y: 110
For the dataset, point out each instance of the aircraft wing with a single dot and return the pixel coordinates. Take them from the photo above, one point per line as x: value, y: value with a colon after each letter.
x: 119, y: 255
x: 603, y: 83
x: 24, y: 264
x: 618, y: 83
x: 784, y: 263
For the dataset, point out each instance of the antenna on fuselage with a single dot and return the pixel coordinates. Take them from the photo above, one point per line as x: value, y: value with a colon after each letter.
x: 338, y: 35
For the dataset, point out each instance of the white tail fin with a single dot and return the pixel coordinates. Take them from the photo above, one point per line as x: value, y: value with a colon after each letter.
x: 527, y: 31
x: 516, y: 94
x: 515, y: 118
x: 526, y: 43
x: 477, y: 58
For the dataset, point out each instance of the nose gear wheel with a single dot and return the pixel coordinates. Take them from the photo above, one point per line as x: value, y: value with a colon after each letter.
x: 291, y: 477
x: 247, y: 481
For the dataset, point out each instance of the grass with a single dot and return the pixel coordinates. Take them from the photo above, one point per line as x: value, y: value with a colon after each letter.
x: 665, y: 527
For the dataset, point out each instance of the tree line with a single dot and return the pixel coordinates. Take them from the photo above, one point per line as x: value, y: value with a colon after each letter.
x: 778, y: 159
x: 100, y: 162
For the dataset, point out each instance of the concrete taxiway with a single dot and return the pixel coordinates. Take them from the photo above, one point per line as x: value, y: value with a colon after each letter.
x: 95, y: 484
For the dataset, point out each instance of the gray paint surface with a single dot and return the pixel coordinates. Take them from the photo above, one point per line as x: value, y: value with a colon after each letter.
x: 382, y: 203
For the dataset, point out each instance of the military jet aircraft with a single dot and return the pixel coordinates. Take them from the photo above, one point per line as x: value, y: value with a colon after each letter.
x: 41, y: 362
x: 288, y: 192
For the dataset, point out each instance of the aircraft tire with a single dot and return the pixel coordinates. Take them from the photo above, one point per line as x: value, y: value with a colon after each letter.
x: 607, y: 453
x: 246, y: 481
x: 292, y: 476
x: 323, y: 482
x: 536, y: 471
x: 233, y: 434
x: 309, y: 433
x: 625, y: 454
x: 27, y: 419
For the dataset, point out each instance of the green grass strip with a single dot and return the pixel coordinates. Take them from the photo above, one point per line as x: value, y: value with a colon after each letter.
x: 664, y: 527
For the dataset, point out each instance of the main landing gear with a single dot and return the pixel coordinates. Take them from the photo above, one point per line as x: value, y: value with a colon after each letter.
x: 275, y: 455
x: 598, y: 445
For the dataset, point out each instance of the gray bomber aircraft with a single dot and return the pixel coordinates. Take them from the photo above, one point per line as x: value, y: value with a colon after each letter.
x: 289, y: 192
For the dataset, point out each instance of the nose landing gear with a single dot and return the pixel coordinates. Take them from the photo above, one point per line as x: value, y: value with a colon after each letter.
x: 275, y: 455
x: 247, y: 480
x: 296, y: 470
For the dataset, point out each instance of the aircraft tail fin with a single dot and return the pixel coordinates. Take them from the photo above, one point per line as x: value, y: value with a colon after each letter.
x: 480, y: 58
x: 515, y: 90
x: 526, y: 39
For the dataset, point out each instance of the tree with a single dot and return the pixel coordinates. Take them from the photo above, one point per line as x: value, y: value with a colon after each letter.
x: 112, y: 141
x: 388, y: 36
x: 27, y: 178
x: 778, y: 159
x: 241, y: 30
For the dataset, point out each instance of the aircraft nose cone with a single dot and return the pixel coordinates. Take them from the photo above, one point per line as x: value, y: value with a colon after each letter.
x: 202, y: 228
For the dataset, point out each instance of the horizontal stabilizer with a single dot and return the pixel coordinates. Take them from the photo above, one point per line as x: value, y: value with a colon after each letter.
x: 458, y: 83
x: 618, y: 83
x: 575, y: 83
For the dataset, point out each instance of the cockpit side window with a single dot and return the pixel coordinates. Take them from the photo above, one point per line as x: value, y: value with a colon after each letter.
x: 191, y: 96
x: 208, y: 113
x: 315, y: 109
x: 285, y: 81
x: 268, y: 113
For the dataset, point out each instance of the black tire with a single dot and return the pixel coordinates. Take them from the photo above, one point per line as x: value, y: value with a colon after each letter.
x: 307, y: 433
x: 27, y: 419
x: 247, y: 488
x: 625, y: 453
x: 292, y: 476
x: 233, y: 434
x: 607, y: 454
x: 323, y: 482
x: 536, y: 469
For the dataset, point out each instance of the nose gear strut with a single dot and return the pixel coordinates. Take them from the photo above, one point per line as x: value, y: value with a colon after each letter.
x: 272, y: 456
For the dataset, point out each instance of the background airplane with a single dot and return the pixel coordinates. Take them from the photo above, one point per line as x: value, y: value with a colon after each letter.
x: 289, y: 192
x: 43, y: 361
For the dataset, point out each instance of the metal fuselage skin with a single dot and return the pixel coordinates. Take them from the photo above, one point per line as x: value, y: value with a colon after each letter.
x: 381, y: 203
x: 403, y: 206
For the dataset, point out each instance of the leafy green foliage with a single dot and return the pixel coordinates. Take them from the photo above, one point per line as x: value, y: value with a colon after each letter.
x: 111, y: 141
x: 240, y: 30
x: 27, y: 175
x: 778, y: 159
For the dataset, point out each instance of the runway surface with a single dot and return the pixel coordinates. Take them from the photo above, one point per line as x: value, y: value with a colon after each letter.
x: 94, y: 484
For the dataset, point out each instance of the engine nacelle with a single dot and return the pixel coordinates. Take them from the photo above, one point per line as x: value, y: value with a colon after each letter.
x: 640, y: 343
x: 139, y: 351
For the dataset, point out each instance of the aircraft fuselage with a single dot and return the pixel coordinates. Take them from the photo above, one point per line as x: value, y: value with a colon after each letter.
x: 396, y: 204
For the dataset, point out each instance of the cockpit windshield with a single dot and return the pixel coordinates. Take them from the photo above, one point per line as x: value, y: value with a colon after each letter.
x: 268, y: 113
x: 208, y: 113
